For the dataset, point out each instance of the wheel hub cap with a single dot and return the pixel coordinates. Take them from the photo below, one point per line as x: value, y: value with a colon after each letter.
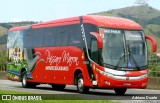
x: 80, y: 83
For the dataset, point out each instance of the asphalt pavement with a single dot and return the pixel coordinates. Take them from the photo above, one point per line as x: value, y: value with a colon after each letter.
x: 131, y: 96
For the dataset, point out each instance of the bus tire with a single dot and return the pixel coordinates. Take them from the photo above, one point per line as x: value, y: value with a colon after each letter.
x: 58, y: 86
x: 80, y: 84
x: 120, y: 91
x: 26, y: 84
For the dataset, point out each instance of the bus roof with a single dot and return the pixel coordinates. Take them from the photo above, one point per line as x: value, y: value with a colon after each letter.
x: 100, y: 21
x: 20, y: 28
x: 59, y: 22
x: 112, y: 22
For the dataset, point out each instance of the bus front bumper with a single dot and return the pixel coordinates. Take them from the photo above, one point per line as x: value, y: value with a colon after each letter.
x: 107, y: 80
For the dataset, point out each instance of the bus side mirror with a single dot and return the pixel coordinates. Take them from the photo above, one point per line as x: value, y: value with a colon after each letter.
x: 154, y: 43
x: 99, y: 39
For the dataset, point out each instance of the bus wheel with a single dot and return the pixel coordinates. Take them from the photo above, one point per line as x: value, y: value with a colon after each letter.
x: 26, y: 84
x: 120, y: 91
x: 80, y: 84
x: 24, y: 80
x: 58, y: 86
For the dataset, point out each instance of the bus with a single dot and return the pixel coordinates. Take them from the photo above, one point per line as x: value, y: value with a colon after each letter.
x: 88, y: 51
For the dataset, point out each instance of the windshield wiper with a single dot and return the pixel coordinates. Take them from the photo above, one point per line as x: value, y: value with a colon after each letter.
x: 123, y: 55
x: 130, y: 55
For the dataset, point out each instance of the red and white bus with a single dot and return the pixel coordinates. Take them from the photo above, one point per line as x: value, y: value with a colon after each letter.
x: 87, y: 51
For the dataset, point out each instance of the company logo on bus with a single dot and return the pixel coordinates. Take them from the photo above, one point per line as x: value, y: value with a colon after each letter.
x: 127, y: 78
x: 54, y: 61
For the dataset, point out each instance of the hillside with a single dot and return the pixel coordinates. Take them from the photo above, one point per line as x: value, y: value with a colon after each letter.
x: 145, y: 15
x: 4, y: 29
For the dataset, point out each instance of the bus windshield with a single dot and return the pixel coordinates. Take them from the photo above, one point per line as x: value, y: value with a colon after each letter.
x: 124, y: 49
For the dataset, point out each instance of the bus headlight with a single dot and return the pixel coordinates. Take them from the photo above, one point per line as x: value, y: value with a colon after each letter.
x: 104, y: 73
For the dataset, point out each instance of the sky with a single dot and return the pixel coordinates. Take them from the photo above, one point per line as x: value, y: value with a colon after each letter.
x: 45, y: 10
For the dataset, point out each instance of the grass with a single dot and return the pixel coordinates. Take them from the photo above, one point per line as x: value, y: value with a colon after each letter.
x: 49, y: 101
x: 61, y: 101
x: 12, y: 92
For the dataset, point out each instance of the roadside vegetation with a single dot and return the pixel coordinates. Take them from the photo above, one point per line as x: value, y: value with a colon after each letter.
x: 154, y: 65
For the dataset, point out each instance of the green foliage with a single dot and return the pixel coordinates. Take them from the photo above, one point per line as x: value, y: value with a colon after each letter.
x: 142, y: 22
x: 154, y: 65
x: 3, y: 60
x: 6, y: 25
x: 13, y: 24
x: 155, y: 20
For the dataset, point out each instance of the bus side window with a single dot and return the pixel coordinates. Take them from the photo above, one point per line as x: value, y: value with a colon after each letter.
x: 50, y: 37
x: 75, y: 36
x: 62, y: 36
x: 37, y: 38
x: 28, y: 39
x: 94, y: 50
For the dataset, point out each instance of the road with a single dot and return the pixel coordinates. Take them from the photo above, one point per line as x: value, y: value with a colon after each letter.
x: 93, y: 94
